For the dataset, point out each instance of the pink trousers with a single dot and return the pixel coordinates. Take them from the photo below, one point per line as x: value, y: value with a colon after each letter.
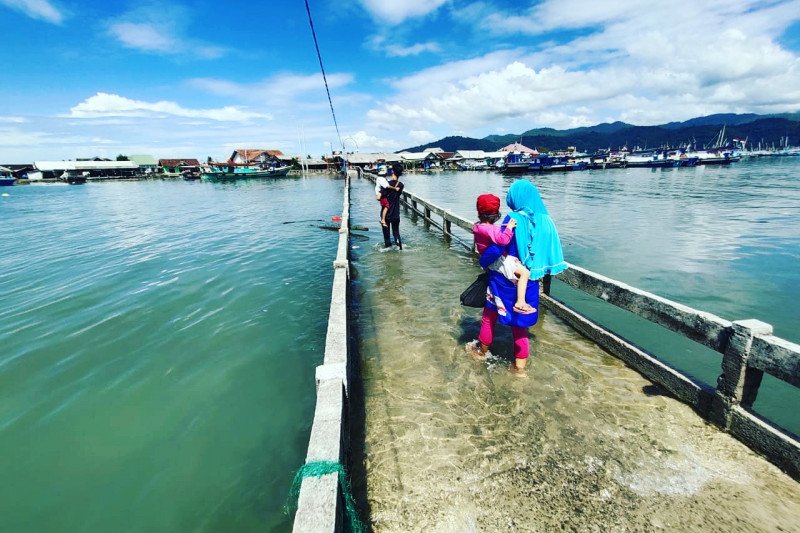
x: 486, y: 335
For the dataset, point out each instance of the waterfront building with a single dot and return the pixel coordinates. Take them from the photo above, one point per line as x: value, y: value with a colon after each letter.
x: 147, y: 163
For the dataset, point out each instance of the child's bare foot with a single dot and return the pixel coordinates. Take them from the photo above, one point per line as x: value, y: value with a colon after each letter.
x: 524, y: 308
x: 474, y: 349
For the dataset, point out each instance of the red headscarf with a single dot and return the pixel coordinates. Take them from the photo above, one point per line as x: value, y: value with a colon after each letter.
x: 488, y: 204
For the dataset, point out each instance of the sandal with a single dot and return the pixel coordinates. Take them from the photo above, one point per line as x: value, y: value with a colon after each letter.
x: 524, y: 309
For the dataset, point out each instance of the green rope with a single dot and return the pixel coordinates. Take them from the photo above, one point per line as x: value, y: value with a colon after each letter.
x: 319, y: 469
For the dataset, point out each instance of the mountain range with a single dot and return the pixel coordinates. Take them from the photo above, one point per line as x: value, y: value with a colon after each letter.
x: 768, y: 130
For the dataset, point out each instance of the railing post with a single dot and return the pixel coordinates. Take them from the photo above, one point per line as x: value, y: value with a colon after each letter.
x: 738, y: 384
x: 446, y: 227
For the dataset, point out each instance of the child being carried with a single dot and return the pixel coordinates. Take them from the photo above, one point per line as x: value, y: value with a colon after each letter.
x: 486, y: 234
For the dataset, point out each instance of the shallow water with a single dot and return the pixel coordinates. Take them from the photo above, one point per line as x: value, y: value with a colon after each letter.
x: 584, y: 443
x: 157, y: 350
x: 722, y: 239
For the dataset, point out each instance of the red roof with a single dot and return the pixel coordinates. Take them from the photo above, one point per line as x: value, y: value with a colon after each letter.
x: 178, y: 162
x: 517, y: 147
x: 251, y: 154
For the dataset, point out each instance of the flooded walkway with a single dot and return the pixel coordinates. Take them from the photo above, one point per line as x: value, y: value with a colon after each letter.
x: 583, y: 444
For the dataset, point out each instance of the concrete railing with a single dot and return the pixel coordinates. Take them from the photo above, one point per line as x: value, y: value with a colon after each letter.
x: 320, y: 505
x: 747, y: 346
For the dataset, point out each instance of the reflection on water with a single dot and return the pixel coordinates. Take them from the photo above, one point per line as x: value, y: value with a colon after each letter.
x: 583, y: 444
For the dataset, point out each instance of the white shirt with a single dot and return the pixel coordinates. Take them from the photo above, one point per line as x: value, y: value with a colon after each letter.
x: 381, y: 183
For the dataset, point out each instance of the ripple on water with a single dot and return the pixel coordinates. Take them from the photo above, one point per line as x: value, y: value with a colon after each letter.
x: 158, y: 346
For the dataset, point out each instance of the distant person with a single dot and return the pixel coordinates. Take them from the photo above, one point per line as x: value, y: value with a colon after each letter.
x: 487, y: 233
x: 381, y: 186
x: 393, y: 193
x: 537, y: 245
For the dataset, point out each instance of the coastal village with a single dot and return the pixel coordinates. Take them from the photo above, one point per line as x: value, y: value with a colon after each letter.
x: 514, y: 158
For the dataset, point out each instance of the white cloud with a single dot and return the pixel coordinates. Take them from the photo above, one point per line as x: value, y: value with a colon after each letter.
x: 143, y: 36
x: 394, y: 50
x: 37, y: 9
x: 371, y: 143
x: 113, y: 105
x: 18, y: 138
x: 420, y: 136
x: 646, y: 65
x: 12, y: 120
x: 396, y: 11
x: 277, y: 90
x: 160, y: 29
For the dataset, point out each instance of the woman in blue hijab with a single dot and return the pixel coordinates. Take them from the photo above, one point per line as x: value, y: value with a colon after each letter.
x: 538, y: 247
x: 536, y: 237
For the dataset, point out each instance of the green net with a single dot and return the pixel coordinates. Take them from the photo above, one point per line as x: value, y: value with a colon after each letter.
x: 319, y: 469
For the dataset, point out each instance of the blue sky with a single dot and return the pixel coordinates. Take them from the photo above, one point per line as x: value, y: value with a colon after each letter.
x: 198, y: 79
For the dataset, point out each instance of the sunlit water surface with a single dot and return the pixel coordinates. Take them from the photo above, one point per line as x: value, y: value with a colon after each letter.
x: 157, y: 347
x: 584, y: 443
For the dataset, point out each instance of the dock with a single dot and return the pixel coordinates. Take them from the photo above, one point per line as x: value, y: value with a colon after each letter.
x: 747, y: 347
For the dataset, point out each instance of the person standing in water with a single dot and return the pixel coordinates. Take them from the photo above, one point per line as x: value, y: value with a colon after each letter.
x: 393, y: 193
x: 537, y: 246
x: 486, y: 233
x: 381, y: 186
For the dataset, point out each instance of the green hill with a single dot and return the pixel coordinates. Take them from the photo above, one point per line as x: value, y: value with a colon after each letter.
x: 767, y: 129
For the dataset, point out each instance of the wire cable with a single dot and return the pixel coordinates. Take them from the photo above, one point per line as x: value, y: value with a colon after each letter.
x: 324, y: 77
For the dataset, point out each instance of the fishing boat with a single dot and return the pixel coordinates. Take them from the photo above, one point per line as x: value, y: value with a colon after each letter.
x: 190, y: 173
x: 73, y: 177
x: 234, y: 172
x: 719, y: 153
x: 517, y: 163
x: 648, y: 159
x: 6, y: 177
x: 545, y: 163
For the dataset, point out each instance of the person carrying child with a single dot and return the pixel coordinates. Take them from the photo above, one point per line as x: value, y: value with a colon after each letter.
x: 487, y: 233
x: 536, y: 244
x: 381, y: 188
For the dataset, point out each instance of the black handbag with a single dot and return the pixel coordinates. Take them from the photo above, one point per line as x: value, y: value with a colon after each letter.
x: 475, y: 294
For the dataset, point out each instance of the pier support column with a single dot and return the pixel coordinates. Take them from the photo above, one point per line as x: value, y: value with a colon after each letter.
x: 738, y: 384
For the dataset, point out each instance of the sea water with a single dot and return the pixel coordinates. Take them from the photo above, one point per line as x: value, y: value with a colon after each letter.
x: 721, y: 239
x: 583, y: 443
x: 157, y: 349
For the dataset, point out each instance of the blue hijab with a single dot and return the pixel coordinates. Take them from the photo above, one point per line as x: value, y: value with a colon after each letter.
x: 536, y: 238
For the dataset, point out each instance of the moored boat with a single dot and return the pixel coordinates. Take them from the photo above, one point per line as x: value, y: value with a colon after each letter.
x: 233, y: 172
x: 73, y: 177
x: 545, y: 163
x: 190, y: 173
x: 6, y: 177
x: 517, y: 163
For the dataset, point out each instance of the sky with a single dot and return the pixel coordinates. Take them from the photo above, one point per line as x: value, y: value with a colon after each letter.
x: 200, y: 79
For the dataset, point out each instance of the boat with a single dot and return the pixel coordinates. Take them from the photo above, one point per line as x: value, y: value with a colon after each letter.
x: 517, y: 163
x: 648, y: 159
x: 6, y: 177
x: 720, y: 152
x: 234, y: 172
x: 545, y: 163
x: 190, y: 173
x: 73, y: 177
x: 472, y: 165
